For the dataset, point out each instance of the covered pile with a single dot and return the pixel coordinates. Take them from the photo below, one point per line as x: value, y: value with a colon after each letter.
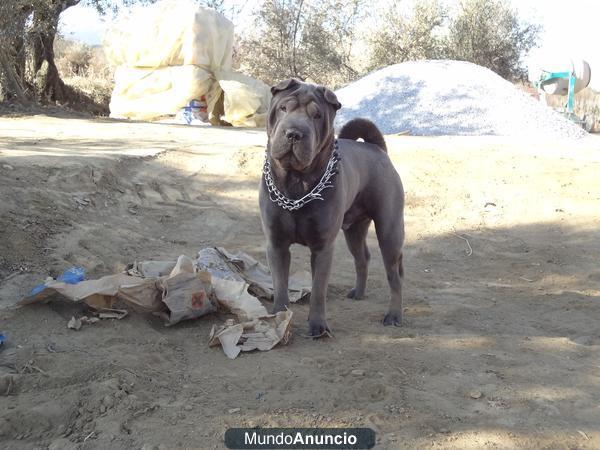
x: 431, y: 98
x: 175, y: 52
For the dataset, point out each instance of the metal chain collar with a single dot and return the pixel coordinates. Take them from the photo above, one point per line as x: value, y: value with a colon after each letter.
x: 277, y: 196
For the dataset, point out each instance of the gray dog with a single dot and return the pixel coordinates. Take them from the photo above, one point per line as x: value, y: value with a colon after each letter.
x: 313, y: 185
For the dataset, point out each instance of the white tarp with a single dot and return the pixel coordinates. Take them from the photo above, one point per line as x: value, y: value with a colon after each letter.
x: 171, y: 33
x: 145, y: 94
x: 246, y: 100
x: 173, y: 52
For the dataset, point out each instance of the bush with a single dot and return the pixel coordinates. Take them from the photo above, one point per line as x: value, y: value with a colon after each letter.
x: 407, y: 38
x: 72, y: 58
x: 85, y: 69
x: 309, y: 40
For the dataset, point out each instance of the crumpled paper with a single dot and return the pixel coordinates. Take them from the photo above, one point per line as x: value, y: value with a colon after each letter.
x: 241, y: 266
x: 262, y: 333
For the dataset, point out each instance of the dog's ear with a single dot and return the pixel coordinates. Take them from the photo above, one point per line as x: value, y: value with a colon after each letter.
x: 284, y: 85
x: 331, y: 99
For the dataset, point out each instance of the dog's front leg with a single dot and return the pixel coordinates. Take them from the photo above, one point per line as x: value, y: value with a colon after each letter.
x: 279, y: 263
x: 320, y: 260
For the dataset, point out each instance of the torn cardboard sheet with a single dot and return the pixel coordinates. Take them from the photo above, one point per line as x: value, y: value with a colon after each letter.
x: 262, y: 334
x: 233, y: 296
x: 151, y: 269
x: 187, y: 296
x: 174, y: 290
x: 100, y: 293
x: 112, y: 314
x: 188, y: 289
x: 241, y: 266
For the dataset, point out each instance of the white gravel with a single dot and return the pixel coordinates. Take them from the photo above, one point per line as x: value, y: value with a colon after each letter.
x: 432, y: 98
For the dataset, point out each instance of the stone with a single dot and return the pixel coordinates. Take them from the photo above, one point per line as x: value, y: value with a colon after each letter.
x: 475, y: 394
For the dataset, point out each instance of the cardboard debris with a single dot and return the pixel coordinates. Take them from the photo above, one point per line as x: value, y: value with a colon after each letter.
x: 262, y: 334
x: 144, y: 296
x: 89, y: 320
x: 187, y: 296
x: 100, y: 293
x: 171, y: 289
x: 211, y: 260
x: 112, y: 314
x: 188, y: 289
x: 184, y: 264
x: 74, y: 324
x: 233, y: 297
x: 151, y: 269
x: 227, y: 336
x: 223, y: 264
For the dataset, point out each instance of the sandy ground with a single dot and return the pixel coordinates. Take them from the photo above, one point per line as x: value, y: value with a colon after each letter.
x: 501, y: 343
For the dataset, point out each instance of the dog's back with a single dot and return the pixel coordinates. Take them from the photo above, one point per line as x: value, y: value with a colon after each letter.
x: 361, y: 128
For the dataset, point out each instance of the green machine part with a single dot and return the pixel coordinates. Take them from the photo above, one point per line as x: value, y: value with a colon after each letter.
x: 548, y: 76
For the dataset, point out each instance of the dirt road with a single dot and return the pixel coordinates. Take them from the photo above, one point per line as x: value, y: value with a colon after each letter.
x: 501, y: 344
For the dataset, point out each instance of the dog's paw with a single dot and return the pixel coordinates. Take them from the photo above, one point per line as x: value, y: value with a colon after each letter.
x: 318, y: 328
x: 356, y: 296
x: 393, y: 318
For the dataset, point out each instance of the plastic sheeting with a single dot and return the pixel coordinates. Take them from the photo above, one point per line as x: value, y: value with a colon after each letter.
x: 171, y: 33
x: 246, y: 100
x: 145, y: 94
x: 173, y: 52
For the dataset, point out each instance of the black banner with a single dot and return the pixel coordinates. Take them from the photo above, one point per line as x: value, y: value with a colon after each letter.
x: 299, y: 438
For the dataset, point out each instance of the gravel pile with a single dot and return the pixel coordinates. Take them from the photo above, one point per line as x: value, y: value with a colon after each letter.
x: 432, y: 98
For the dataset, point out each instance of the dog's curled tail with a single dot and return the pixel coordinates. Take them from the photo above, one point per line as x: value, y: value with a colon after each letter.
x: 365, y: 129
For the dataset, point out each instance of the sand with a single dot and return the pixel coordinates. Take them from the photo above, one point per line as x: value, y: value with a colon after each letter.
x: 501, y: 343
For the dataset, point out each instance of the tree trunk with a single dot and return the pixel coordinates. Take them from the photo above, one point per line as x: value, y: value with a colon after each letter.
x: 12, y: 48
x: 13, y: 87
x: 17, y: 43
x: 48, y: 84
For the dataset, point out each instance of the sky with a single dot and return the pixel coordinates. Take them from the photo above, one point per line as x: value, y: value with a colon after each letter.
x: 570, y: 30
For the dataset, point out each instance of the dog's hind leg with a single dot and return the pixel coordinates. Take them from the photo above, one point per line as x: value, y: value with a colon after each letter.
x: 391, y: 237
x: 356, y: 238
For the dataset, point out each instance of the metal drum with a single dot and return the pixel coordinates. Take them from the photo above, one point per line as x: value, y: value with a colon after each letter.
x: 560, y: 86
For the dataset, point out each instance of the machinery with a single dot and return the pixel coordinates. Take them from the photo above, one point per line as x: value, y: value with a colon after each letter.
x: 574, y: 78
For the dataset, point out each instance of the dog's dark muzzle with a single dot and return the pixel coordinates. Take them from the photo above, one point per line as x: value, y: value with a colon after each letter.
x: 293, y: 135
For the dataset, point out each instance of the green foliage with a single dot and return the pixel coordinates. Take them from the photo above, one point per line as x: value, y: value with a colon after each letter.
x: 484, y: 32
x: 489, y: 33
x: 309, y: 40
x: 402, y: 38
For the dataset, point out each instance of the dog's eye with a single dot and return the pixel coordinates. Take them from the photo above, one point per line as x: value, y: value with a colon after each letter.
x: 283, y: 108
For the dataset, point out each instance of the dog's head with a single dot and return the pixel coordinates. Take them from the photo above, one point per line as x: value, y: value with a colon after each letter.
x: 300, y: 123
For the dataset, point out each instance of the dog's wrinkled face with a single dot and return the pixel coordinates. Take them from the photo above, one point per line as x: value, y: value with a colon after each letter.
x: 300, y: 122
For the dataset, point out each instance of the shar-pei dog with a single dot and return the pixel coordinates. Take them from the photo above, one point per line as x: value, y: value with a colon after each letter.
x: 314, y: 184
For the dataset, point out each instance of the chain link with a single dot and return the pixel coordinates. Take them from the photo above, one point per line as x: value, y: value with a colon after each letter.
x: 289, y: 204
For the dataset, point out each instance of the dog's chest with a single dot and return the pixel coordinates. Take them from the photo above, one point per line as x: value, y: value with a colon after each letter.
x: 313, y: 229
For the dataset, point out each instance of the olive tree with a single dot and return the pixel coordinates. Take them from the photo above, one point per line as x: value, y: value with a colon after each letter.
x: 491, y: 34
x: 309, y: 40
x: 403, y: 37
